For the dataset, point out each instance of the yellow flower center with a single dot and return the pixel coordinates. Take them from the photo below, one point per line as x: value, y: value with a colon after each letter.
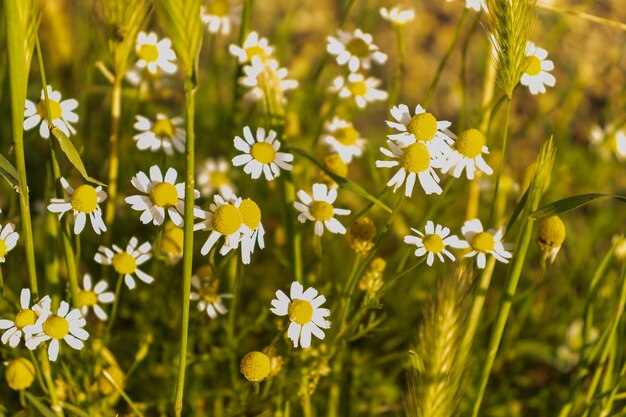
x: 20, y: 374
x: 208, y: 294
x: 3, y: 248
x: 164, y: 195
x: 263, y: 152
x: 334, y: 164
x: 124, y: 263
x: 321, y: 211
x: 56, y: 327
x: 219, y: 178
x: 255, y: 50
x: 87, y: 298
x: 416, y: 158
x: 148, y: 53
x: 358, y: 88
x: 423, y: 126
x: 470, y: 143
x: 84, y: 199
x: 433, y: 243
x: 25, y: 318
x: 255, y: 366
x: 534, y: 66
x: 347, y: 136
x: 219, y: 8
x: 250, y: 213
x: 55, y: 109
x: 300, y: 311
x: 163, y: 128
x: 172, y: 240
x: 358, y: 47
x: 227, y: 219
x: 483, y: 242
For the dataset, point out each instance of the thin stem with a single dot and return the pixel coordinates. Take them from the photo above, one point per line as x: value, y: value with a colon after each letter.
x: 444, y: 60
x: 232, y: 314
x: 190, y: 93
x: 116, y: 108
x: 295, y: 249
x: 1, y: 283
x: 503, y: 153
x: 122, y: 393
x: 399, y: 76
x: 116, y: 303
x: 47, y: 375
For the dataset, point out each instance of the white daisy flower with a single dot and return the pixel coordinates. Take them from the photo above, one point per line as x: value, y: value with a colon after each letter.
x: 82, y: 201
x: 423, y: 127
x: 164, y: 133
x: 90, y: 297
x: 127, y: 262
x: 252, y: 46
x: 608, y: 141
x: 27, y: 316
x: 536, y: 75
x: 415, y: 162
x: 344, y: 139
x: 220, y: 15
x: 265, y: 77
x: 208, y: 298
x: 483, y: 243
x: 64, y: 325
x: 355, y: 49
x: 223, y: 219
x: 362, y: 90
x: 305, y: 314
x: 155, y: 54
x: 476, y: 5
x: 434, y: 242
x: 161, y: 195
x: 397, y: 16
x: 252, y: 234
x: 320, y: 209
x: 8, y: 240
x: 212, y: 176
x: 466, y: 155
x: 61, y: 113
x: 260, y: 155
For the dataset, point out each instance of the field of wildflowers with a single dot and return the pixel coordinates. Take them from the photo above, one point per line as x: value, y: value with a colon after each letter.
x: 312, y: 208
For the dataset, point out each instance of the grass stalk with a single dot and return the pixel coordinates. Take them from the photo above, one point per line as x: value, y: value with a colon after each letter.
x: 116, y: 109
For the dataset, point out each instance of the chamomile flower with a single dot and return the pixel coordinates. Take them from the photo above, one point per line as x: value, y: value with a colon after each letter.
x: 220, y: 15
x: 305, y: 313
x: 320, y: 209
x: 421, y: 126
x: 82, y: 201
x: 466, y: 155
x: 356, y: 49
x: 397, y: 16
x: 27, y: 316
x: 127, y: 262
x: 253, y: 45
x: 362, y: 90
x: 264, y: 77
x: 434, y: 242
x: 608, y: 141
x: 155, y: 54
x: 261, y: 154
x: 91, y: 297
x: 8, y: 240
x: 161, y: 195
x: 536, y: 75
x: 253, y: 233
x: 212, y: 177
x: 65, y: 325
x: 415, y: 162
x: 223, y: 219
x: 61, y: 113
x: 476, y: 5
x: 207, y: 297
x: 164, y: 133
x: 343, y: 138
x: 484, y: 243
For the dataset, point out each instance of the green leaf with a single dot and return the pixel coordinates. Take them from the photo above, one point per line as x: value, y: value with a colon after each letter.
x: 344, y: 183
x: 8, y: 171
x: 570, y: 203
x: 41, y: 407
x: 72, y: 154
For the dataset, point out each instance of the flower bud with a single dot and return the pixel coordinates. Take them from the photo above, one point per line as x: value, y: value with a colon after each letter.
x: 255, y: 366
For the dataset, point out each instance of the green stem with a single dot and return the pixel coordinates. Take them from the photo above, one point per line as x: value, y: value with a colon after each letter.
x: 47, y: 375
x: 114, y: 308
x: 444, y: 60
x: 502, y: 157
x: 232, y: 325
x: 399, y: 76
x: 116, y: 109
x: 295, y: 249
x: 190, y: 92
x: 478, y: 303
